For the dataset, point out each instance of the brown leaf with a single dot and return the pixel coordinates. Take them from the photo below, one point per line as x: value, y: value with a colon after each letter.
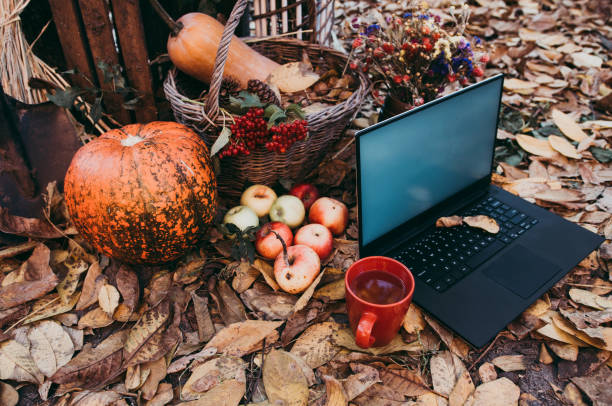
x: 463, y: 388
x: 239, y: 339
x: 269, y: 304
x: 211, y: 374
x: 567, y: 352
x: 334, y: 392
x: 38, y: 279
x: 315, y: 312
x: 332, y: 291
x: 26, y: 227
x: 587, y: 298
x: 597, y: 386
x: 305, y: 297
x: 568, y: 126
x: 501, y: 392
x: 315, y: 345
x: 206, y: 329
x: 346, y: 339
x: 483, y: 222
x: 519, y: 86
x: 127, y: 283
x: 379, y: 395
x: 487, y: 372
x: 244, y: 277
x: 358, y: 383
x: 158, y: 288
x: 455, y: 344
x: 293, y: 77
x: 404, y: 381
x: 92, y: 367
x: 572, y: 395
x: 284, y: 380
x: 68, y: 285
x: 164, y: 395
x: 535, y: 146
x: 152, y: 321
x: 562, y: 146
x: 50, y: 306
x: 545, y: 357
x: 108, y: 298
x: 91, y: 287
x: 560, y: 196
x: 189, y: 272
x: 8, y: 395
x: 230, y: 307
x: 95, y: 318
x: 451, y: 221
x: 102, y: 398
x: 267, y: 271
x: 509, y: 363
x: 50, y: 346
x: 13, y: 314
x: 446, y: 368
x: 17, y: 364
x: 181, y: 363
x: 157, y: 373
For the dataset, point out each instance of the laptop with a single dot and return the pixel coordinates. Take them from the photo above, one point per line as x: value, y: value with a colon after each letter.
x: 435, y: 161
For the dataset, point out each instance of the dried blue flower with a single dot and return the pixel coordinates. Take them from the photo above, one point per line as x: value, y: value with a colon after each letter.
x: 371, y: 28
x: 477, y: 40
x: 406, y: 15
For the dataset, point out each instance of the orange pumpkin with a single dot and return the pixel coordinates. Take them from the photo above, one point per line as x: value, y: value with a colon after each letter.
x: 142, y: 193
x: 192, y: 47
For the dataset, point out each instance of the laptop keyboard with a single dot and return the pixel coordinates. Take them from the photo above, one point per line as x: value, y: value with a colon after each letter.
x: 443, y: 256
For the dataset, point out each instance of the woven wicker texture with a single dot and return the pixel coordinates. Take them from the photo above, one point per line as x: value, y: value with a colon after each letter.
x: 263, y: 166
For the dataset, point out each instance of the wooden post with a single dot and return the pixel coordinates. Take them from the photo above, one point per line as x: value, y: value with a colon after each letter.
x: 95, y: 14
x: 128, y: 23
x: 72, y: 39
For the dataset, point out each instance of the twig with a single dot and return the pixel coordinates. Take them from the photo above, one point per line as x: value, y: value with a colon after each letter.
x: 485, y: 351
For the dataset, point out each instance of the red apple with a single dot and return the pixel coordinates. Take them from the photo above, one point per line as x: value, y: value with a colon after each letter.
x: 332, y: 213
x: 266, y: 242
x: 306, y: 192
x: 295, y: 272
x: 316, y: 236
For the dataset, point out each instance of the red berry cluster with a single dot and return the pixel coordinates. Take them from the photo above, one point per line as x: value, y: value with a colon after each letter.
x: 248, y: 131
x: 284, y: 135
x: 251, y: 130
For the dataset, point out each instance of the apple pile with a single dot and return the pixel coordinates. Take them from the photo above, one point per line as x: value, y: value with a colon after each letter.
x: 297, y: 258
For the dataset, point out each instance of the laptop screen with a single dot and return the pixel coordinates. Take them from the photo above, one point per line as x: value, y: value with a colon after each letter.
x: 413, y: 163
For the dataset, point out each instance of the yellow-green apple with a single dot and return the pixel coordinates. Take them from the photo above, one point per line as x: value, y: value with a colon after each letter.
x: 259, y: 198
x: 296, y: 268
x: 267, y: 243
x: 317, y: 237
x: 306, y: 192
x: 242, y: 217
x: 332, y: 213
x: 288, y: 209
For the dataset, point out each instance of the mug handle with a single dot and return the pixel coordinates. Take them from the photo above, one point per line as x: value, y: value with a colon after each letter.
x: 363, y: 335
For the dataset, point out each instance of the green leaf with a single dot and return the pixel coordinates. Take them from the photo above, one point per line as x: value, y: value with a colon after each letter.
x: 249, y: 100
x: 65, y: 98
x: 270, y: 110
x: 296, y: 110
x: 277, y: 115
x: 602, y: 155
x: 221, y: 141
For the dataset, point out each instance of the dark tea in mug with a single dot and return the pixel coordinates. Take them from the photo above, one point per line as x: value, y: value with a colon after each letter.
x: 379, y: 287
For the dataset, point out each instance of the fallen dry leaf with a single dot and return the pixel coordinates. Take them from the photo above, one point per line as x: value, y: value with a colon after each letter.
x: 210, y: 374
x: 91, y: 287
x: 164, y: 395
x: 144, y: 334
x: 305, y: 297
x: 284, y: 380
x: 8, y: 395
x: 315, y: 345
x: 501, y: 392
x: 267, y: 271
x: 293, y: 77
x: 463, y: 388
x: 38, y: 279
x: 564, y: 351
x: 487, y: 372
x: 563, y: 146
x: 129, y: 287
x: 68, y: 285
x: 93, y: 366
x: 413, y: 320
x: 519, y: 86
x: 379, y: 395
x: 535, y: 146
x: 306, y: 370
x: 483, y: 222
x: 332, y: 291
x: 269, y: 304
x: 206, y: 329
x: 334, y: 392
x: 446, y: 368
x: 181, y: 363
x: 231, y: 308
x: 568, y: 126
x: 50, y: 306
x: 95, y: 318
x: 509, y: 363
x: 545, y: 357
x: 451, y: 221
x: 597, y: 386
x: 50, y: 346
x: 245, y: 275
x: 244, y: 337
x: 102, y: 398
x: 358, y: 383
x: 404, y: 381
x: 346, y: 339
x: 108, y: 298
x: 17, y: 364
x: 26, y: 227
x: 587, y: 298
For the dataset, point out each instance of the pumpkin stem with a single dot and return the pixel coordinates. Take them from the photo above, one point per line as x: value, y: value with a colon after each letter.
x: 284, y: 246
x: 175, y: 27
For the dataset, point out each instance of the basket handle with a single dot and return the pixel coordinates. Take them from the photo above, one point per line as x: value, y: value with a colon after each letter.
x: 212, y: 101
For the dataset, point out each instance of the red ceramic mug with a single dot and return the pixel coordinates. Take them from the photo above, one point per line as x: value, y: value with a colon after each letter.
x: 377, y: 324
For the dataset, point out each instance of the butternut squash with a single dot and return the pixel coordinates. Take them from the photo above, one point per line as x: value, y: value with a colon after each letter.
x: 193, y: 48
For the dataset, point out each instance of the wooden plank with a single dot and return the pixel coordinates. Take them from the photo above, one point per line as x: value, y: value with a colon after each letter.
x: 128, y: 23
x: 72, y: 39
x: 101, y: 43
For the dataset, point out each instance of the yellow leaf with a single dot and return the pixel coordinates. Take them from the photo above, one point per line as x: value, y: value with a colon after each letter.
x: 332, y: 291
x: 49, y: 306
x: 413, y: 320
x: 535, y: 146
x: 346, y: 339
x: 8, y: 395
x: 563, y: 146
x: 284, y: 380
x: 303, y: 300
x: 568, y: 127
x: 68, y: 285
x: 293, y: 77
x: 267, y: 271
x: 334, y: 392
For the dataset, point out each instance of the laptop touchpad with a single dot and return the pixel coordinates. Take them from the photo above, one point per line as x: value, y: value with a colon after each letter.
x: 521, y: 270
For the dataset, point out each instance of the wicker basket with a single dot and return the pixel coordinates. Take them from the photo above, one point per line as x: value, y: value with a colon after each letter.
x: 263, y: 166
